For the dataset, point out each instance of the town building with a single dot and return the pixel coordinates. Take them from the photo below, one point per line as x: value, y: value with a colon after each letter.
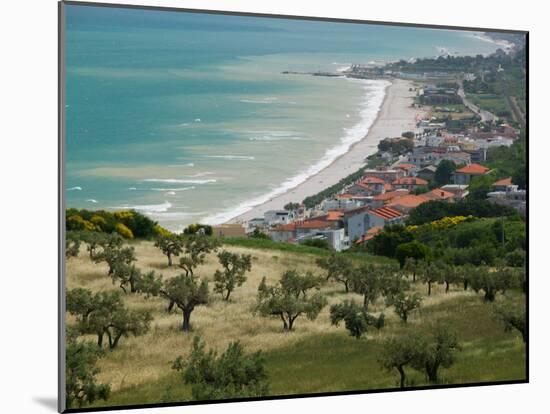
x: 465, y: 174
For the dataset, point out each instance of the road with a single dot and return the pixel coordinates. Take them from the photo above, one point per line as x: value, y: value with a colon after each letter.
x: 486, y: 116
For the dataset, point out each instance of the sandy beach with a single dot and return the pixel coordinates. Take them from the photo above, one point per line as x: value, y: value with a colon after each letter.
x: 395, y: 116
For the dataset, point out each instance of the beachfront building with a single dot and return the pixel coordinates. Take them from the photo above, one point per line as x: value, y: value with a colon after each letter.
x: 511, y: 197
x: 465, y: 174
x: 229, y: 230
x: 275, y: 217
x: 406, y: 203
x: 367, y: 186
x: 427, y: 173
x: 385, y: 174
x: 410, y: 169
x: 459, y: 191
x: 502, y: 185
x: 360, y: 220
x: 409, y: 183
x: 336, y: 238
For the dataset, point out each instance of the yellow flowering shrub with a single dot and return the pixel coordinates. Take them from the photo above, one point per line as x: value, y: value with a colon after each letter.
x: 124, y: 231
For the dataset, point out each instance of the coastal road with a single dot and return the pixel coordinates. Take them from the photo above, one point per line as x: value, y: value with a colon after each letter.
x: 486, y: 116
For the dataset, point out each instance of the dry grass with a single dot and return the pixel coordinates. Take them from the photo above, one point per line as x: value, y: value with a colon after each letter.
x: 148, y: 358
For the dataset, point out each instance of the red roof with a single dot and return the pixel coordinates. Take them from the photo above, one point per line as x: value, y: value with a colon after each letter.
x: 389, y: 195
x: 504, y: 181
x: 387, y: 213
x: 409, y: 201
x: 473, y: 169
x: 406, y: 166
x: 410, y: 181
x: 373, y: 231
x: 313, y: 224
x: 334, y: 215
x: 371, y: 180
x: 285, y: 227
x: 439, y: 194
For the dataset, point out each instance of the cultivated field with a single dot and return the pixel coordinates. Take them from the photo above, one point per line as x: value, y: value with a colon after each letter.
x: 315, y: 357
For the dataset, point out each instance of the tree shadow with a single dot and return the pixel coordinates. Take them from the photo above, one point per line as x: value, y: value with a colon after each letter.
x: 48, y: 402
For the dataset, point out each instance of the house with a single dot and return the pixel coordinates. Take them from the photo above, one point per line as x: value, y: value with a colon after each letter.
x: 257, y: 222
x: 512, y: 197
x: 367, y: 186
x: 385, y: 175
x: 440, y: 195
x: 406, y: 203
x: 373, y: 231
x: 229, y: 230
x: 335, y: 238
x: 460, y: 191
x: 283, y: 232
x: 410, y: 169
x: 356, y: 222
x: 409, y: 183
x: 427, y: 173
x: 465, y: 174
x: 381, y: 199
x: 384, y: 216
x: 502, y: 185
x: 275, y: 217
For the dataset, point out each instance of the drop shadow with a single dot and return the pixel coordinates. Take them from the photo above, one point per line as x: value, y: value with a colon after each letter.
x: 47, y: 402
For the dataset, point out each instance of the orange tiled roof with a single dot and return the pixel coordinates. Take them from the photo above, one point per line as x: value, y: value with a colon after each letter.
x: 371, y: 180
x: 472, y: 169
x: 390, y: 195
x: 386, y: 213
x: 344, y: 196
x: 504, y: 181
x: 439, y: 194
x: 406, y: 166
x: 334, y: 215
x: 410, y: 181
x: 373, y: 231
x: 409, y: 201
x: 285, y: 227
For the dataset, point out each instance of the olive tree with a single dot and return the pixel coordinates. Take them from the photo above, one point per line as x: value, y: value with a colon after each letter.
x: 72, y: 245
x: 233, y: 374
x: 184, y: 291
x: 338, y: 267
x: 81, y: 386
x: 196, y: 247
x: 355, y: 317
x: 398, y: 353
x: 115, y: 256
x: 291, y: 298
x: 104, y: 314
x: 130, y: 276
x: 512, y: 316
x: 492, y: 282
x: 436, y: 350
x: 170, y: 245
x: 430, y: 273
x: 404, y: 304
x: 367, y: 281
x: 233, y: 274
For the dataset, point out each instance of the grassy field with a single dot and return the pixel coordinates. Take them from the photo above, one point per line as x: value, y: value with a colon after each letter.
x: 316, y: 357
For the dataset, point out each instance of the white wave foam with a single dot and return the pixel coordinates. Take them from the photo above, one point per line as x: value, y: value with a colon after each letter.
x: 197, y: 120
x: 183, y: 124
x: 148, y: 208
x: 369, y: 107
x: 174, y: 189
x: 231, y: 157
x: 170, y: 193
x: 132, y: 188
x: 268, y: 100
x: 91, y: 200
x: 178, y: 181
x: 76, y: 188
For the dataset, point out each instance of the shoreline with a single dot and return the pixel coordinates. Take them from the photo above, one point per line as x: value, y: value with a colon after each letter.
x: 394, y: 117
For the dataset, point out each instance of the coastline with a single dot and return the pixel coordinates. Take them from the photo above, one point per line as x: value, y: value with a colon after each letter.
x: 394, y: 117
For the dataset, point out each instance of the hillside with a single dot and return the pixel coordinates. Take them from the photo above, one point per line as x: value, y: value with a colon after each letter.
x: 315, y: 357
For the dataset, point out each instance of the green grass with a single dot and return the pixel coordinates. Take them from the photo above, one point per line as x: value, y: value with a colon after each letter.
x: 334, y: 361
x: 266, y: 244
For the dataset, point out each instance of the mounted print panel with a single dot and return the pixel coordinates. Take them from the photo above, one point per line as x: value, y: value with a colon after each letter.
x: 258, y: 207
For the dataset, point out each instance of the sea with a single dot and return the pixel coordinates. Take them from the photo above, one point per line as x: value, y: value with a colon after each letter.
x: 187, y: 117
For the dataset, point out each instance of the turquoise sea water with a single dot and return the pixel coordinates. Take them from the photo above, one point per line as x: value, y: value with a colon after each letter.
x: 187, y: 117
